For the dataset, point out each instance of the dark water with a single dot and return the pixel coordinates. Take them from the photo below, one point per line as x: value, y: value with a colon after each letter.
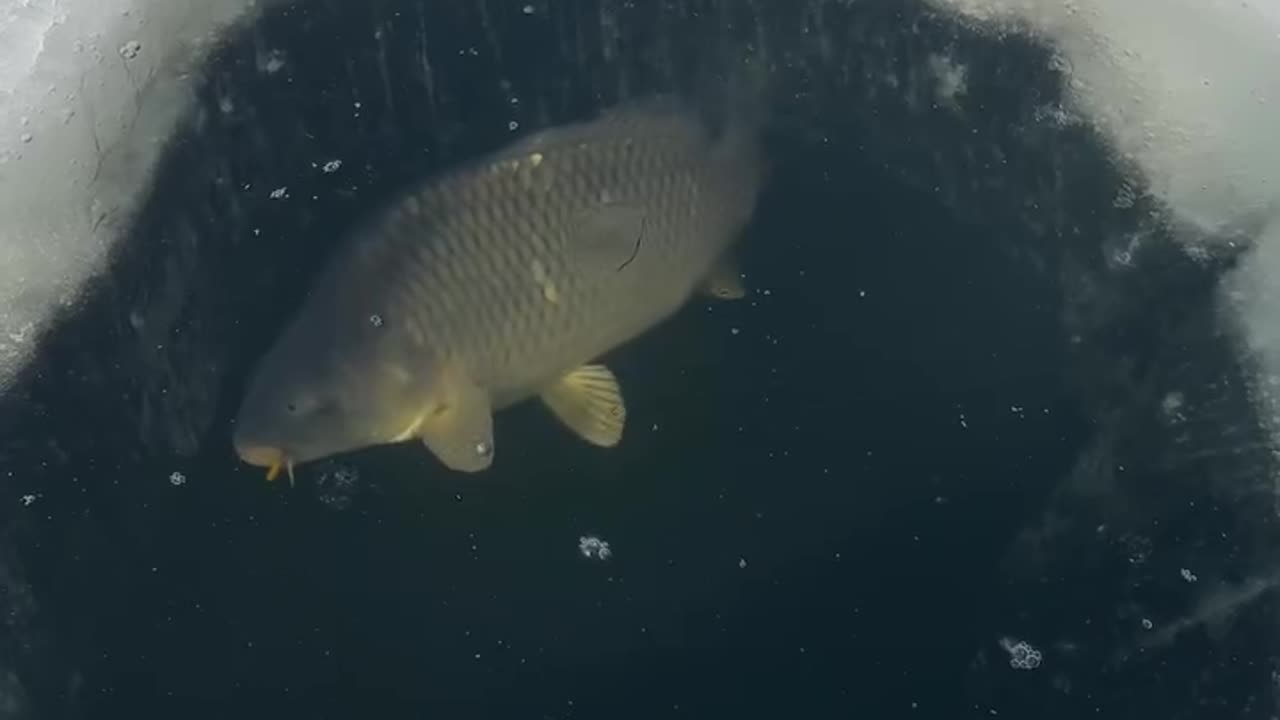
x: 835, y: 498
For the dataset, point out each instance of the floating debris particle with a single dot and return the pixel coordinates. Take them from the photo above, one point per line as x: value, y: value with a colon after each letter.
x: 273, y: 62
x: 1022, y: 656
x: 593, y: 548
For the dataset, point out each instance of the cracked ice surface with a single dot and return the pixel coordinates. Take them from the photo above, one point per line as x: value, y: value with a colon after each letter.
x: 1184, y: 89
x: 89, y: 89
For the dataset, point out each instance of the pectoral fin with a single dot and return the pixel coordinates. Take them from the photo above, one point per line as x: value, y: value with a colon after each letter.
x: 589, y: 402
x: 724, y: 282
x: 459, y: 428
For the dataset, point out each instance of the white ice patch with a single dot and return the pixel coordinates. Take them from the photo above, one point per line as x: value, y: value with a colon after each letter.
x: 89, y: 90
x: 1186, y: 90
x: 1250, y: 304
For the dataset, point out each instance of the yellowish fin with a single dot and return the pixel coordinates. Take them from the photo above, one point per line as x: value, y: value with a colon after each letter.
x: 273, y: 471
x: 589, y: 402
x: 459, y: 429
x: 411, y: 430
x: 724, y: 282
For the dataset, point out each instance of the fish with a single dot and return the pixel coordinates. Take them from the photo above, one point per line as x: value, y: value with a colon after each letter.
x: 505, y: 279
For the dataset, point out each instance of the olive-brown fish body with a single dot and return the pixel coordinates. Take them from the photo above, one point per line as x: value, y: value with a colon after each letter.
x: 504, y: 280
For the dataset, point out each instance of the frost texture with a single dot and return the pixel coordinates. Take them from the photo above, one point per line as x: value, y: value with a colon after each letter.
x: 85, y: 87
x: 1199, y: 126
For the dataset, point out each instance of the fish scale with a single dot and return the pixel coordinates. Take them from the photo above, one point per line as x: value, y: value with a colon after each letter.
x: 500, y: 264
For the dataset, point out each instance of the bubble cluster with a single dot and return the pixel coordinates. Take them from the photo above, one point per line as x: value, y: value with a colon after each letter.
x: 1022, y: 656
x: 176, y: 478
x: 273, y: 62
x: 593, y: 548
x: 336, y: 484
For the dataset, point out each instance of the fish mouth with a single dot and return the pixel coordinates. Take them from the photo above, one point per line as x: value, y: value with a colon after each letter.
x: 272, y: 458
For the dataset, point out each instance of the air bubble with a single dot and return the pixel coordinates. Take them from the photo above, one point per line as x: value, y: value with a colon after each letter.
x: 337, y: 484
x: 273, y: 62
x: 1022, y: 656
x: 594, y: 548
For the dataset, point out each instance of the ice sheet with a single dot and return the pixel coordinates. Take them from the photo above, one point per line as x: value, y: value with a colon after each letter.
x: 89, y: 90
x: 1185, y: 90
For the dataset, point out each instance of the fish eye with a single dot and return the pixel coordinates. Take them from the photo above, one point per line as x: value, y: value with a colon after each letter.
x: 310, y: 406
x: 301, y: 404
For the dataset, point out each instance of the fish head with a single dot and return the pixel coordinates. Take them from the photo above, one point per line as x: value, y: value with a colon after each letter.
x: 328, y: 386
